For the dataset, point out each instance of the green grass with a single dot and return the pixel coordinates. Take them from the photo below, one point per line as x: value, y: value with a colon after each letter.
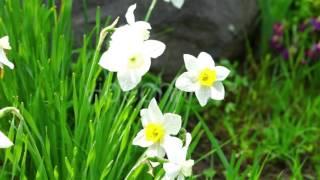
x: 271, y: 122
x: 77, y: 122
x: 79, y: 125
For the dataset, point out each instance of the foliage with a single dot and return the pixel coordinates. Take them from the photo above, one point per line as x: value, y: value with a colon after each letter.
x: 78, y: 125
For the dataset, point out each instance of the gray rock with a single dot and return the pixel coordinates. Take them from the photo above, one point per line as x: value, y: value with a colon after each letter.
x: 215, y: 26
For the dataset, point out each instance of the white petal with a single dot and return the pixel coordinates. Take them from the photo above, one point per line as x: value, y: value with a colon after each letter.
x: 180, y: 177
x: 4, y: 60
x: 140, y: 140
x: 145, y: 117
x: 155, y: 150
x: 173, y: 147
x: 203, y: 94
x: 4, y: 43
x: 172, y: 123
x: 166, y: 177
x: 130, y: 14
x: 151, y: 115
x: 4, y: 141
x: 154, y: 164
x: 187, y: 168
x: 205, y: 60
x: 187, y: 82
x: 128, y: 80
x: 120, y: 35
x: 191, y: 63
x: 172, y: 170
x: 177, y: 3
x: 144, y: 67
x: 217, y: 91
x: 222, y: 72
x: 155, y: 112
x: 188, y: 140
x: 111, y: 61
x: 138, y: 31
x: 153, y: 48
x: 143, y: 25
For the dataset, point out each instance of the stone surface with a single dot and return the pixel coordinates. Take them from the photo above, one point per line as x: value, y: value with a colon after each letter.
x: 215, y: 26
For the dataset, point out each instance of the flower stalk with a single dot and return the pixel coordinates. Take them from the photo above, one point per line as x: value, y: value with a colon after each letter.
x: 150, y: 10
x: 12, y: 110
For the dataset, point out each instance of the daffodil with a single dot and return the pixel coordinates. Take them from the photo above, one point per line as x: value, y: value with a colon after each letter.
x: 176, y: 3
x: 133, y: 31
x: 203, y: 78
x: 158, y: 130
x: 4, y: 141
x: 130, y: 52
x: 5, y: 45
x: 177, y: 165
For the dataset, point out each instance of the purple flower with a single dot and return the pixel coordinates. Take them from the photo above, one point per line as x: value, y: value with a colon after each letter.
x: 304, y: 62
x: 285, y: 54
x: 276, y: 43
x: 315, y: 22
x: 302, y: 27
x: 309, y: 53
x: 278, y: 29
x: 317, y: 47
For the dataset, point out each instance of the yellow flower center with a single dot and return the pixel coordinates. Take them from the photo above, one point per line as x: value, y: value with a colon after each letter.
x: 135, y: 61
x: 207, y: 77
x: 154, y: 132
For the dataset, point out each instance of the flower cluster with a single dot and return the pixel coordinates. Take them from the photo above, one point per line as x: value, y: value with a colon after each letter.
x: 4, y: 45
x: 287, y: 43
x: 131, y: 51
x: 130, y: 55
x: 158, y: 136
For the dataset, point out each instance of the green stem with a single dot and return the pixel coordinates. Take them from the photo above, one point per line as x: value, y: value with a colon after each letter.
x: 150, y: 10
x: 141, y: 160
x: 12, y: 110
x: 103, y: 35
x: 214, y: 141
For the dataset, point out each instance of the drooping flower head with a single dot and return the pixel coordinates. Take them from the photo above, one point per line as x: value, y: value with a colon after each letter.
x: 5, y: 45
x: 5, y: 141
x: 130, y: 52
x: 203, y: 78
x: 158, y: 130
x: 178, y: 166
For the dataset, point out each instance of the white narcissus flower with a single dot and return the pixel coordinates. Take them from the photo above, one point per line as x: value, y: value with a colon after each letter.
x: 4, y: 141
x: 133, y: 31
x: 157, y: 131
x: 178, y: 167
x: 130, y: 52
x: 203, y: 78
x: 5, y: 45
x: 131, y: 61
x: 176, y: 3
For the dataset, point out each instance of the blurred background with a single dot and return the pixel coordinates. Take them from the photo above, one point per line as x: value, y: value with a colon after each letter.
x: 215, y: 26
